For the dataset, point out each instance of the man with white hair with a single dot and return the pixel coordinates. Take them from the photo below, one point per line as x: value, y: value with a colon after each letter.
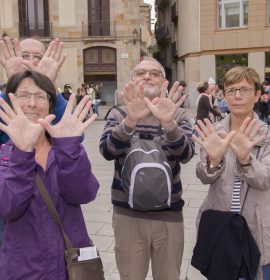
x: 143, y: 233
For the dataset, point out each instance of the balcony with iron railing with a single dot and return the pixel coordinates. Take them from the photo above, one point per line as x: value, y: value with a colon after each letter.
x: 41, y: 29
x: 101, y: 29
x: 163, y: 33
x: 98, y: 30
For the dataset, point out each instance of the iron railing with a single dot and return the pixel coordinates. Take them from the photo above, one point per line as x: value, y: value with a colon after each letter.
x: 41, y: 29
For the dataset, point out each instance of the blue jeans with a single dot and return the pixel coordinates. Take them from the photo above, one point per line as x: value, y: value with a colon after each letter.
x: 95, y: 106
x: 265, y: 273
x: 1, y: 231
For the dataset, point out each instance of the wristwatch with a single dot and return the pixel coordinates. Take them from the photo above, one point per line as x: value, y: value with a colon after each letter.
x: 127, y: 130
x: 211, y: 168
x: 171, y: 129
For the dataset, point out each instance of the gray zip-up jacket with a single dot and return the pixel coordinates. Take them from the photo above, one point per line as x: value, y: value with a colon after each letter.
x: 256, y: 208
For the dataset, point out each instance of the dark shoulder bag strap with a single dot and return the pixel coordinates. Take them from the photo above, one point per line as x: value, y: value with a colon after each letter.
x: 118, y: 108
x: 49, y: 203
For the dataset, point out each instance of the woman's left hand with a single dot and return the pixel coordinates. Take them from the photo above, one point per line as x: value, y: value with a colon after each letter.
x: 245, y: 139
x: 72, y: 123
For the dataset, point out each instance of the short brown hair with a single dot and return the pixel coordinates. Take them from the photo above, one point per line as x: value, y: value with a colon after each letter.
x: 202, y: 87
x: 239, y: 73
x: 40, y: 80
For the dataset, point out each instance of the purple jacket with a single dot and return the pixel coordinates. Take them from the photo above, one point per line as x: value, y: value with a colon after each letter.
x: 33, y: 247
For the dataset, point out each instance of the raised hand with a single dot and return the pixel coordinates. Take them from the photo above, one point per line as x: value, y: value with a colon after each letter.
x: 245, y: 139
x: 12, y: 60
x: 133, y: 97
x: 52, y: 60
x: 214, y: 145
x: 22, y: 132
x: 175, y: 93
x: 72, y: 123
x: 163, y: 109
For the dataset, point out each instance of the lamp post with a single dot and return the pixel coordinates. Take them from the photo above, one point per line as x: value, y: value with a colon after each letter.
x: 135, y: 35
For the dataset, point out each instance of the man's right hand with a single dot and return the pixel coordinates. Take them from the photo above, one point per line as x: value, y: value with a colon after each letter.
x: 133, y: 98
x: 12, y: 61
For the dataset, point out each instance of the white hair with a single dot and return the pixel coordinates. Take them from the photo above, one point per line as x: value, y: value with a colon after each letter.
x: 153, y: 59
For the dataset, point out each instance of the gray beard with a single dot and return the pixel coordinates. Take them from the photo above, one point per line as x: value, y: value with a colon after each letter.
x: 151, y: 93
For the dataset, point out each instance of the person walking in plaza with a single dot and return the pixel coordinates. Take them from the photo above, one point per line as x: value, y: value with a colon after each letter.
x: 205, y: 106
x: 235, y: 161
x: 33, y: 246
x: 145, y: 230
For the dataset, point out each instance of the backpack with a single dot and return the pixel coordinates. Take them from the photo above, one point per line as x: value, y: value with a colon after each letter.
x: 223, y: 106
x: 146, y: 174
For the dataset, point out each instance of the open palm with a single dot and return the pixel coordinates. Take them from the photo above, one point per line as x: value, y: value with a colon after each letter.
x: 214, y: 145
x: 12, y: 61
x: 246, y: 138
x: 72, y: 123
x: 162, y: 108
x: 22, y: 132
x: 133, y: 98
x: 52, y: 60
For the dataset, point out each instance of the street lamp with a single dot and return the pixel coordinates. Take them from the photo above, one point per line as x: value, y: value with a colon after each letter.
x: 135, y: 35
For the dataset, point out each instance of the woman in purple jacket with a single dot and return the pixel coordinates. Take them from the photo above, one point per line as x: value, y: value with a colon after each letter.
x: 33, y: 247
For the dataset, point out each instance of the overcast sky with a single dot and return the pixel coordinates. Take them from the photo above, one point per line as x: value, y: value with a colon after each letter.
x: 152, y: 2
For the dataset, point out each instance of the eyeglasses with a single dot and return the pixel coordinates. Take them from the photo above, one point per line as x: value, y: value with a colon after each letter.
x: 242, y: 90
x: 38, y: 96
x: 29, y: 56
x: 152, y: 73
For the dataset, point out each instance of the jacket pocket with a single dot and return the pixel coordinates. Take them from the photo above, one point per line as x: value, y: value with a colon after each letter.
x: 265, y: 226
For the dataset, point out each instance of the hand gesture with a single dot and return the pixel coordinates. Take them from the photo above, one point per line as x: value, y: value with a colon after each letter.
x: 22, y: 132
x: 133, y: 97
x: 163, y: 109
x: 245, y: 139
x: 12, y: 61
x: 52, y: 60
x: 214, y: 145
x: 175, y: 94
x: 72, y: 123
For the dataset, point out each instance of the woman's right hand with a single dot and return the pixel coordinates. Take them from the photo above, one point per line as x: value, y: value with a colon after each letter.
x: 22, y: 132
x: 214, y: 145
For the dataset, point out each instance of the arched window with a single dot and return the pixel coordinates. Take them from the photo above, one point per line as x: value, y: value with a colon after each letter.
x: 100, y: 59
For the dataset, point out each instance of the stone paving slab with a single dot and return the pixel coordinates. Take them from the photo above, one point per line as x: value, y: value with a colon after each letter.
x: 98, y: 214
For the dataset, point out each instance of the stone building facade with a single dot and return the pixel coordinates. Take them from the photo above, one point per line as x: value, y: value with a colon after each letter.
x: 102, y: 39
x: 199, y: 39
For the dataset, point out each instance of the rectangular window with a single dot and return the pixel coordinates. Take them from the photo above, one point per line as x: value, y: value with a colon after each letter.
x: 225, y: 62
x: 232, y: 13
x: 268, y: 11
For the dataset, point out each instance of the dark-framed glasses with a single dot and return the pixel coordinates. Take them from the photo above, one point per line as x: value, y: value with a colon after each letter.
x: 154, y: 73
x: 28, y: 56
x: 242, y: 90
x: 38, y: 96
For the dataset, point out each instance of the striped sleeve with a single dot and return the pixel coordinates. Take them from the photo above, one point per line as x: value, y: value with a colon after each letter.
x: 178, y: 144
x: 114, y: 141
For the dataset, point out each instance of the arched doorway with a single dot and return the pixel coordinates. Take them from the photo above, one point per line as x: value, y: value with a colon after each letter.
x: 100, y: 68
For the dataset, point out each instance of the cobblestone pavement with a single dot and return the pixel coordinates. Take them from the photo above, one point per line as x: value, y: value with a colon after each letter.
x: 98, y: 213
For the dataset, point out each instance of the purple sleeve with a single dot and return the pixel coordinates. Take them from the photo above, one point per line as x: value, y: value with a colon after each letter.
x: 77, y: 183
x: 17, y: 170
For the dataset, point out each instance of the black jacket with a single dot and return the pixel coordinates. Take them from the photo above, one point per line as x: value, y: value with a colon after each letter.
x: 225, y: 248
